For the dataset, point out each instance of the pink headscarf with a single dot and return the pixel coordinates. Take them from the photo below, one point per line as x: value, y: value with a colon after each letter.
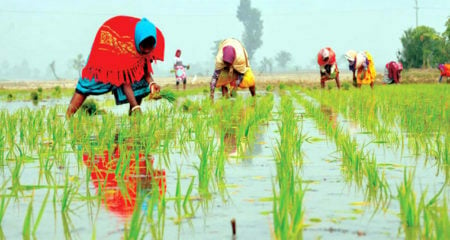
x: 229, y: 54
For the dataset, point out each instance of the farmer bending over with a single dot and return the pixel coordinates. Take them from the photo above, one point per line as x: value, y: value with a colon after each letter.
x: 120, y: 61
x: 232, y: 68
x: 392, y: 72
x: 326, y: 58
x: 362, y: 66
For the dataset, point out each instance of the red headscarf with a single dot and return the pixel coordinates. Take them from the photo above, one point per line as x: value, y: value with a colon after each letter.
x: 178, y: 53
x: 114, y: 58
x: 326, y: 53
x: 229, y: 54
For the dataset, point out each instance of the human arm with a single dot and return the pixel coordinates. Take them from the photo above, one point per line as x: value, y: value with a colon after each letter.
x: 213, y: 83
x: 396, y: 77
x: 239, y: 79
x: 154, y: 87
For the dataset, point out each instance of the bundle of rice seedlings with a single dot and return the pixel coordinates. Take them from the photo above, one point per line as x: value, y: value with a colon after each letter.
x: 90, y: 107
x: 165, y: 94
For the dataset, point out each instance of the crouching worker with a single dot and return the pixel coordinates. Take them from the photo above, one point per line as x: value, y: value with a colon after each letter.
x: 362, y: 66
x: 232, y: 68
x: 445, y: 71
x: 120, y: 61
x: 326, y: 58
x: 392, y: 72
x: 179, y: 69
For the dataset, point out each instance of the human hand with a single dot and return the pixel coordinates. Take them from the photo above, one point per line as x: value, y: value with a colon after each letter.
x: 234, y: 92
x: 154, y: 88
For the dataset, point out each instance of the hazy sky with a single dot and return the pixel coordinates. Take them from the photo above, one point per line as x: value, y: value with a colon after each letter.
x: 53, y: 30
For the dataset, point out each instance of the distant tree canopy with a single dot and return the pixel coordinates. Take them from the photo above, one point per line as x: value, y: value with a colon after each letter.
x: 423, y: 47
x: 253, y: 26
x: 283, y: 58
x: 266, y: 65
x: 78, y: 64
x: 53, y: 68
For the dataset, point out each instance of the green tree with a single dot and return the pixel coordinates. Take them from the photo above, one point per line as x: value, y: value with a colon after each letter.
x: 422, y: 47
x: 446, y: 34
x: 283, y: 58
x: 253, y: 26
x: 266, y: 65
x: 53, y: 68
x: 78, y: 64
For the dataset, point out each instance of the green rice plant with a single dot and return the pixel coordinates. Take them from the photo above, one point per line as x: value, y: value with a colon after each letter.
x: 377, y: 190
x: 67, y: 225
x: 352, y: 159
x: 164, y: 94
x: 69, y: 192
x: 40, y: 214
x: 9, y: 97
x: 90, y: 107
x: 288, y: 205
x: 57, y: 91
x: 26, y: 231
x: 357, y: 165
x: 135, y: 228
x: 156, y: 221
x: 4, y: 202
x: 34, y: 97
x: 409, y: 211
x: 189, y: 212
x: 178, y: 197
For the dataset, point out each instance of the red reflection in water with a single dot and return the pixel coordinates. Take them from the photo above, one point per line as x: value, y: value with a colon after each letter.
x: 119, y: 191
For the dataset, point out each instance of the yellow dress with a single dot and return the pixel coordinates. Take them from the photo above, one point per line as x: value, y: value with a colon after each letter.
x: 226, y: 78
x: 240, y: 64
x: 370, y: 73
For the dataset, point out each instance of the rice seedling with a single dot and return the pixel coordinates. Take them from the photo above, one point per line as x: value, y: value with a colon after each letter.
x: 357, y: 165
x: 156, y: 220
x: 409, y: 211
x: 164, y: 94
x: 135, y: 228
x: 287, y: 205
x: 67, y: 225
x: 57, y: 92
x: 38, y: 219
x: 90, y: 107
x: 26, y: 231
x: 9, y: 97
x: 4, y: 201
x: 34, y: 97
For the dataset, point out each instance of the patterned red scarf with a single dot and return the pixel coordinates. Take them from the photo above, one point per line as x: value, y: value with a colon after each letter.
x: 114, y: 58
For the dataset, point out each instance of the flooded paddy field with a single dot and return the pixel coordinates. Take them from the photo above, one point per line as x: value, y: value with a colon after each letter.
x: 291, y: 163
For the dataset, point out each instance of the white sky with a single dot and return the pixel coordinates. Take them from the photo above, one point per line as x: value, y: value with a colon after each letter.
x: 46, y: 30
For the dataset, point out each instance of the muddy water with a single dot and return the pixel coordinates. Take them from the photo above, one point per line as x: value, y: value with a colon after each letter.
x: 333, y: 208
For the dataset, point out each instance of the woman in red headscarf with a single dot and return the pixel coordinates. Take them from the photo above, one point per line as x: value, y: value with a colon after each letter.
x: 232, y: 68
x: 326, y: 58
x: 120, y: 61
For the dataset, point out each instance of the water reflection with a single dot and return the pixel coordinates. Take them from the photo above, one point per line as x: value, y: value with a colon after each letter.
x: 330, y: 114
x: 120, y: 178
